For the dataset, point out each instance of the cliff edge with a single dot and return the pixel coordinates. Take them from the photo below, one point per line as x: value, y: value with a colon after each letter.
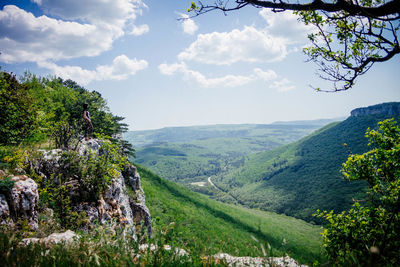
x: 390, y: 109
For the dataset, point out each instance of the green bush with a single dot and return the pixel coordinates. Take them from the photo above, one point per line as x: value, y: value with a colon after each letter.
x: 369, y: 233
x: 6, y: 184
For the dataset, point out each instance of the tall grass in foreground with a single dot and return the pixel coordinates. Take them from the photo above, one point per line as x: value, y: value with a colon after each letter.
x: 103, y: 246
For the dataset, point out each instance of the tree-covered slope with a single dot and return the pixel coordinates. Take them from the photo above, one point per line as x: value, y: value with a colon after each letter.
x: 192, y: 154
x: 304, y: 176
x: 204, y: 226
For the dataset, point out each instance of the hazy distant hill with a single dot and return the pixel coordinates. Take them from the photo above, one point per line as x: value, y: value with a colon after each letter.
x: 286, y: 132
x: 192, y: 154
x: 302, y: 177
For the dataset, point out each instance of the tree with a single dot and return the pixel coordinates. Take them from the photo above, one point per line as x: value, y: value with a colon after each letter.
x: 18, y: 115
x: 369, y: 233
x: 351, y: 35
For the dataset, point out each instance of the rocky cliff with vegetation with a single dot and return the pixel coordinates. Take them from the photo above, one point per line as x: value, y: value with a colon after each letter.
x: 71, y: 184
x: 53, y: 179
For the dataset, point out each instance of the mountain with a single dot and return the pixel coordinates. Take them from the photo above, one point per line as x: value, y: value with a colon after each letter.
x: 206, y: 227
x: 285, y: 132
x: 191, y: 154
x: 304, y: 176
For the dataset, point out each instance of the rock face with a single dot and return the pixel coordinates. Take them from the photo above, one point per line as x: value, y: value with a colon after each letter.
x: 138, y: 204
x: 389, y: 109
x: 20, y: 202
x: 115, y: 204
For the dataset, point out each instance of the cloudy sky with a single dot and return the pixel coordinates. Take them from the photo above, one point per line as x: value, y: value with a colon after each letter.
x: 158, y: 71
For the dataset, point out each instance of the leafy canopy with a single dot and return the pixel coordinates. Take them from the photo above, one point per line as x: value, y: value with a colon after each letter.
x: 370, y: 231
x: 350, y: 35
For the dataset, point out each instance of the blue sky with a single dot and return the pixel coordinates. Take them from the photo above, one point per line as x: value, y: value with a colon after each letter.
x: 246, y: 67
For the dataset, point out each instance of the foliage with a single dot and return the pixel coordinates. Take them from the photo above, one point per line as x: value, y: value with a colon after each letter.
x: 370, y: 231
x: 17, y: 112
x: 11, y: 157
x: 37, y: 108
x: 350, y: 36
x: 6, y: 184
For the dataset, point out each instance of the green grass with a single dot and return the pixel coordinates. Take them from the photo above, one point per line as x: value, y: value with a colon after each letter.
x: 204, y: 226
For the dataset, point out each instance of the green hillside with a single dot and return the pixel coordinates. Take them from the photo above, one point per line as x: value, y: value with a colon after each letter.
x: 204, y: 226
x: 302, y: 177
x: 192, y: 154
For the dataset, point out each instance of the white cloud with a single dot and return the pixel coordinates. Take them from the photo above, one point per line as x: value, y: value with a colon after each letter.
x: 189, y: 75
x: 139, y: 30
x: 83, y: 28
x: 108, y: 12
x: 197, y: 77
x: 282, y: 85
x: 266, y: 75
x: 121, y: 68
x: 225, y: 48
x: 286, y: 25
x: 188, y: 25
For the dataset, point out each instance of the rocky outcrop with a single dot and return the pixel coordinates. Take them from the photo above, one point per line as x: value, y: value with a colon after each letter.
x: 20, y: 202
x: 138, y: 203
x: 114, y: 205
x: 388, y: 109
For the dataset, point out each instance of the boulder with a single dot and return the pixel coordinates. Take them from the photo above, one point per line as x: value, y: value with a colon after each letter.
x: 255, y: 261
x: 67, y: 238
x: 22, y: 200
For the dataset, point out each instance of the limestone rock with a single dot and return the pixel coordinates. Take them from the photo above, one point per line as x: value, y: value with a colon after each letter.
x: 23, y: 200
x: 255, y: 261
x: 67, y: 238
x: 115, y: 202
x: 85, y: 146
x: 138, y: 205
x: 4, y: 210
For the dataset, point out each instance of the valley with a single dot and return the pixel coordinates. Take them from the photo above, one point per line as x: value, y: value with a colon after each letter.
x: 291, y: 168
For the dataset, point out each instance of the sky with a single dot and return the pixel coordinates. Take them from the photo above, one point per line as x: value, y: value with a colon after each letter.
x: 158, y: 71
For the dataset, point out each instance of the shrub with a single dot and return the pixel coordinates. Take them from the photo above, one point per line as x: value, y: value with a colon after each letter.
x: 369, y: 233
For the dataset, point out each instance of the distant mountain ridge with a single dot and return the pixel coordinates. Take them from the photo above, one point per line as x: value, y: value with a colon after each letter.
x: 387, y: 109
x: 203, y: 132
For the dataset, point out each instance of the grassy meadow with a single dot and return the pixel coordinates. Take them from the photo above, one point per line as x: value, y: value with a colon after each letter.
x: 206, y: 227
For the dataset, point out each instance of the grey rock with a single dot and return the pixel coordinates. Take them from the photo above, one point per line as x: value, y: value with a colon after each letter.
x: 256, y: 261
x: 4, y: 210
x: 141, y: 213
x: 68, y: 238
x: 23, y: 200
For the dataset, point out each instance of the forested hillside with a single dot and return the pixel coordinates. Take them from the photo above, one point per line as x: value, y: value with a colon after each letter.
x: 189, y: 155
x: 302, y: 177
